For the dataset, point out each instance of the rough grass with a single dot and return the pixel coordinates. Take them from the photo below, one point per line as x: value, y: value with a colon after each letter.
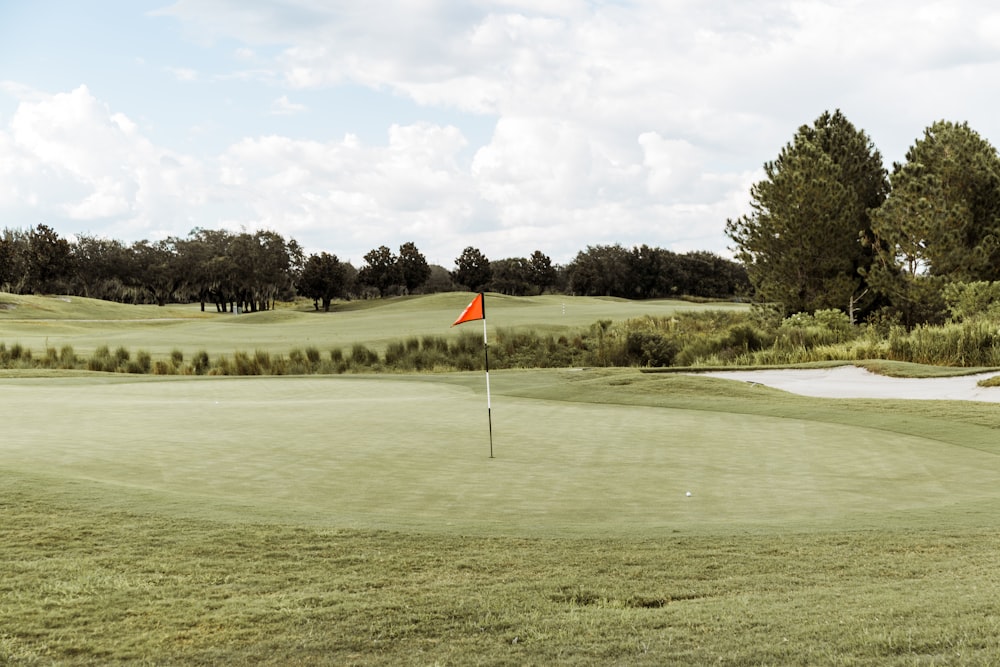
x: 83, y: 588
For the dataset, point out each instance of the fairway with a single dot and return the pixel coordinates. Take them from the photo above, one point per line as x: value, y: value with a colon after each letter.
x: 85, y: 324
x: 411, y: 453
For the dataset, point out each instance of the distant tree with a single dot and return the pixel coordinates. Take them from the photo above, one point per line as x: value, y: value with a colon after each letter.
x: 802, y: 243
x: 413, y: 268
x: 49, y: 260
x: 352, y: 288
x: 652, y: 273
x: 103, y: 269
x: 707, y: 275
x: 511, y: 276
x: 381, y: 271
x: 322, y: 279
x: 472, y: 270
x: 159, y: 271
x: 439, y: 281
x: 212, y: 266
x: 541, y: 273
x: 275, y: 266
x: 16, y: 244
x: 6, y: 262
x: 603, y: 270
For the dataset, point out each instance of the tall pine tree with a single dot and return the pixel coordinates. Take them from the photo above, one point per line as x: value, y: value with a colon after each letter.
x: 802, y: 243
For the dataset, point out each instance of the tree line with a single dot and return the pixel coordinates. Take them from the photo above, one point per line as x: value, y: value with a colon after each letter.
x: 252, y: 270
x: 830, y: 227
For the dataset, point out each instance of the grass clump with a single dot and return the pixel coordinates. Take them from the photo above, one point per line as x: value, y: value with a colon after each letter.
x: 685, y: 338
x: 200, y: 363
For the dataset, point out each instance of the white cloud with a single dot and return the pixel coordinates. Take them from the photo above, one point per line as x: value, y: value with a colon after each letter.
x: 285, y: 107
x: 78, y: 158
x: 184, y: 74
x: 642, y: 122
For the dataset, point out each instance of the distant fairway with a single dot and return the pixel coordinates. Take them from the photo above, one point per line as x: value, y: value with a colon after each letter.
x: 85, y: 324
x: 411, y: 453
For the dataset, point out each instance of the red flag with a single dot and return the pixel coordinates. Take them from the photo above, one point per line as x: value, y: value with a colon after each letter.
x: 474, y: 311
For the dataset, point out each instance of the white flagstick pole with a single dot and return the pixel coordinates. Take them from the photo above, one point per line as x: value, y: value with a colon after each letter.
x: 486, y: 354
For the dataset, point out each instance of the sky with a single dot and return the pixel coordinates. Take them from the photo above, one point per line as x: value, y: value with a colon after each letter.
x: 506, y: 125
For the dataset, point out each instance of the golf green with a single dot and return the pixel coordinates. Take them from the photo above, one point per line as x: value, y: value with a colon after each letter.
x: 412, y: 453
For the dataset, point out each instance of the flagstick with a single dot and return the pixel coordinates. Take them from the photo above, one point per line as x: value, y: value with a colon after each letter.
x: 486, y: 354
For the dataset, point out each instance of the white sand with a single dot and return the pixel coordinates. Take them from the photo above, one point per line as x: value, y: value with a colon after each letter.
x: 854, y: 382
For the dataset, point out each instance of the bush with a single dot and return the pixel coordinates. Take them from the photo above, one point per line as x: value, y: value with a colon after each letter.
x: 395, y: 355
x: 200, y: 364
x: 650, y: 349
x: 975, y: 300
x: 362, y: 357
x: 122, y: 355
x: 312, y: 355
x: 144, y: 360
x: 67, y: 357
x: 102, y: 361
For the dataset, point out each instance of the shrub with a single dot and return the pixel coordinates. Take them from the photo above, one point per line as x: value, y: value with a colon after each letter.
x: 244, y: 365
x: 362, y: 357
x: 395, y: 355
x: 221, y: 367
x: 312, y: 354
x: 200, y: 364
x: 122, y: 355
x: 973, y: 300
x: 144, y: 360
x: 650, y: 349
x: 745, y: 338
x: 102, y: 361
x: 67, y: 357
x: 434, y: 344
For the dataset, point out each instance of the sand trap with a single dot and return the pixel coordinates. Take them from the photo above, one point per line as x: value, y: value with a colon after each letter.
x: 854, y: 382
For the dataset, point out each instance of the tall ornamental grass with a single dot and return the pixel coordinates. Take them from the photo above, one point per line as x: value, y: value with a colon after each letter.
x: 684, y: 339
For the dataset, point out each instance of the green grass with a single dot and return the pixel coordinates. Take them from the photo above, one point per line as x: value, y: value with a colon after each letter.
x: 115, y: 588
x: 412, y: 453
x: 87, y: 324
x: 359, y: 520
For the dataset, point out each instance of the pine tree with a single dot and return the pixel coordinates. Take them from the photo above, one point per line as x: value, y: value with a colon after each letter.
x: 802, y: 243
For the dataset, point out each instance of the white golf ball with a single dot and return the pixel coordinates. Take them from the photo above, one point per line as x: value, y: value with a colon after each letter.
x: 688, y: 493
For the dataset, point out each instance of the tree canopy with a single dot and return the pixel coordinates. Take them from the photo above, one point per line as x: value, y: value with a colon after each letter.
x: 941, y: 223
x: 472, y: 270
x: 803, y: 241
x: 323, y: 279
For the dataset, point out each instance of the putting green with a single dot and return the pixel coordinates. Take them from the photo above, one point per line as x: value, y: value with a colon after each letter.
x: 413, y: 454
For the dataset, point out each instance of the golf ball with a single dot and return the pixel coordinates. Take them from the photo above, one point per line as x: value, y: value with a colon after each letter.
x: 688, y: 493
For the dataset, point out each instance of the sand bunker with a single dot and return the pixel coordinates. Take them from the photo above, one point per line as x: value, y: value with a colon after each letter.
x: 854, y: 382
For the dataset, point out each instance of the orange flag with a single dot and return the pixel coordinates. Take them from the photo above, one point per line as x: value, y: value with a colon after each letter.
x: 474, y: 311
